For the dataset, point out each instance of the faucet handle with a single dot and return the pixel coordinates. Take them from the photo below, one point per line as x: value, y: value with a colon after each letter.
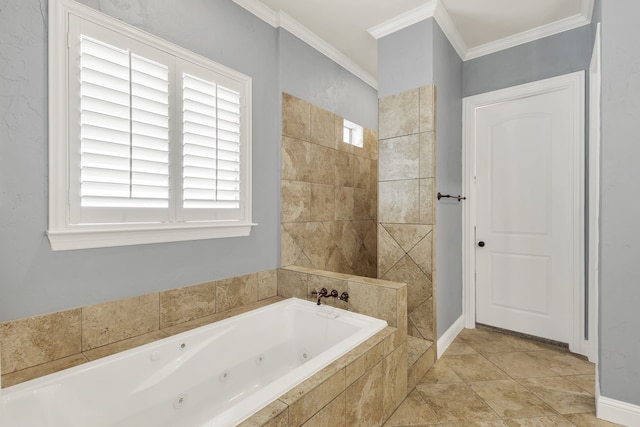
x: 345, y: 296
x: 334, y: 293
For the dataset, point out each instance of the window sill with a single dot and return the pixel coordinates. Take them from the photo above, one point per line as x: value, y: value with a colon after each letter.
x: 83, y: 238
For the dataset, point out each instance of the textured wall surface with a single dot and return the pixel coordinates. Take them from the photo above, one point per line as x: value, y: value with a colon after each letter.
x: 551, y: 56
x: 310, y: 75
x: 619, y: 361
x: 35, y: 280
x: 329, y: 192
x: 405, y: 59
x: 447, y: 77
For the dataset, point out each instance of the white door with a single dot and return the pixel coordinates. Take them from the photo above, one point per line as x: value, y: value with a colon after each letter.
x: 527, y: 189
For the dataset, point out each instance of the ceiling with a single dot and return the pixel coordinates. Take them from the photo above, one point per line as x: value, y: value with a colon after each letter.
x: 349, y: 28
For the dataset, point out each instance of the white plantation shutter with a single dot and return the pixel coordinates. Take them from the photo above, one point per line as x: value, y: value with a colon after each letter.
x: 228, y: 147
x: 148, y: 142
x: 211, y: 145
x: 124, y: 128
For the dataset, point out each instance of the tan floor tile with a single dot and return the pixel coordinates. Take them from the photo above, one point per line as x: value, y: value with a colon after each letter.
x: 470, y: 386
x: 520, y: 365
x: 470, y: 332
x: 440, y: 373
x: 492, y: 423
x: 561, y: 394
x: 455, y: 402
x: 585, y: 382
x: 419, y: 425
x: 511, y: 400
x: 485, y: 341
x: 412, y: 412
x: 458, y: 346
x: 557, y: 421
x: 589, y: 420
x: 564, y: 363
x: 474, y: 367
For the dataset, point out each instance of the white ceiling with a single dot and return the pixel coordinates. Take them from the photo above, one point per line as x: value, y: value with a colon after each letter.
x: 474, y: 27
x: 482, y: 22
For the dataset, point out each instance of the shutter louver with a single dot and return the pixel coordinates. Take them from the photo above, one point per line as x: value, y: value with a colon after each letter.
x: 124, y: 128
x: 211, y: 145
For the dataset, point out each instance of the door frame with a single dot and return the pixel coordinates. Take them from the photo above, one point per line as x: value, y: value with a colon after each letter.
x: 575, y: 83
x: 594, y: 195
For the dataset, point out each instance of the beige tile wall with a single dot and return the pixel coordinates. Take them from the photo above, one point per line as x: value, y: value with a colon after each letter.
x: 329, y: 192
x: 406, y: 202
x: 43, y: 344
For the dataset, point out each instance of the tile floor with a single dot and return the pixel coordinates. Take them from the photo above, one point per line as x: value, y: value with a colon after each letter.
x: 490, y: 379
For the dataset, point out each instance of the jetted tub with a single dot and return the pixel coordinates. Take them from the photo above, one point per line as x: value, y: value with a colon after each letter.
x: 216, y: 375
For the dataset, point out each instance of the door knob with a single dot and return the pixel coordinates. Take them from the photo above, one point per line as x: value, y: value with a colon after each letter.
x: 481, y: 244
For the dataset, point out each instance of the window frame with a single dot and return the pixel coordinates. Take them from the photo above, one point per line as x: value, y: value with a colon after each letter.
x: 356, y: 134
x: 62, y: 232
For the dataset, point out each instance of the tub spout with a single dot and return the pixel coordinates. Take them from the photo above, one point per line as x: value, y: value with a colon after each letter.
x: 324, y: 293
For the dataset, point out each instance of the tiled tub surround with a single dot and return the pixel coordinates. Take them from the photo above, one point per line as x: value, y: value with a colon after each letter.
x: 40, y: 345
x: 226, y: 371
x: 378, y: 298
x: 329, y: 192
x: 406, y: 215
x: 364, y: 386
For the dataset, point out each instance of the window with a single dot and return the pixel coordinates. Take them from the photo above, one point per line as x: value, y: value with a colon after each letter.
x: 148, y: 142
x: 353, y: 134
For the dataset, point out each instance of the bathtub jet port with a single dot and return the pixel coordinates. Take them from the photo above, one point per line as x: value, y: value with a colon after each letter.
x: 179, y: 401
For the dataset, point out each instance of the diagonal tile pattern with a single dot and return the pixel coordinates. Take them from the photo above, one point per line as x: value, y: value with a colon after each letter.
x: 491, y: 379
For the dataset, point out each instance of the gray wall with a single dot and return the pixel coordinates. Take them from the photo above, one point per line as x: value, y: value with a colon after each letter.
x: 405, y: 59
x: 447, y: 76
x: 310, y: 75
x: 551, y: 56
x: 619, y: 360
x: 35, y: 280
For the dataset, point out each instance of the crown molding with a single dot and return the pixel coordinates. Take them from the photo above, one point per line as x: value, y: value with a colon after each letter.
x: 260, y: 10
x: 404, y: 20
x: 313, y: 40
x: 433, y: 9
x: 537, y: 33
x: 587, y: 9
x: 282, y: 20
x: 450, y: 30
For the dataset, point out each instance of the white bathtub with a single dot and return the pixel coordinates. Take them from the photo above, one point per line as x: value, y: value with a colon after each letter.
x: 216, y: 375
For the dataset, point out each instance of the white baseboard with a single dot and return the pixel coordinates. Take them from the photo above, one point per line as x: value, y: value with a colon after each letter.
x: 447, y: 338
x: 617, y: 411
